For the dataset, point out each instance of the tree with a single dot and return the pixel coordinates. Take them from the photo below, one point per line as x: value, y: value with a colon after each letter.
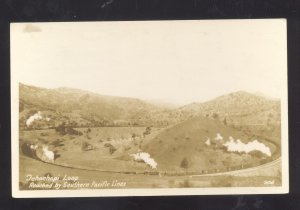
x: 86, y: 146
x: 184, y: 163
x: 112, y: 149
x: 61, y: 129
x: 215, y: 116
x: 72, y: 131
x: 225, y: 121
x: 147, y: 131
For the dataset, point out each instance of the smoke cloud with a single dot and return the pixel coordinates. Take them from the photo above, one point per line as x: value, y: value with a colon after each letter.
x: 31, y: 119
x: 145, y: 157
x: 219, y: 137
x: 207, y: 142
x: 238, y: 146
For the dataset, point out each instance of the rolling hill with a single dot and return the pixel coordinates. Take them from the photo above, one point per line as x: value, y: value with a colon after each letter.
x: 187, y: 140
x: 82, y: 108
x: 182, y: 133
x: 253, y: 114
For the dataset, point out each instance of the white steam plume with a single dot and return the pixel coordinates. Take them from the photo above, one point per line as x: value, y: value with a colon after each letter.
x: 238, y: 146
x: 31, y: 119
x: 145, y: 157
x: 219, y: 137
x: 207, y: 142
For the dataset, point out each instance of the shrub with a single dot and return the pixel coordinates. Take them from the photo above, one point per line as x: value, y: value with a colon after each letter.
x: 72, y: 131
x: 184, y: 163
x: 225, y: 121
x: 57, y: 143
x: 86, y: 146
x: 44, y: 134
x: 215, y: 116
x: 61, y: 129
x: 107, y: 145
x: 147, y: 131
x: 112, y: 149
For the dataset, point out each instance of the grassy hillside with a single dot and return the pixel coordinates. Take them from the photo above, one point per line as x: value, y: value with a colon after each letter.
x: 82, y: 108
x: 256, y: 115
x: 234, y: 104
x: 187, y: 141
x: 104, y: 148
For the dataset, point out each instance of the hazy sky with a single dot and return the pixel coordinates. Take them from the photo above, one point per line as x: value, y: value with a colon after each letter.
x: 173, y: 61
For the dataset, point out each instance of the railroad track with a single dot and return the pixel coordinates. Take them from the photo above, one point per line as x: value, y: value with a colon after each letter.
x: 265, y: 166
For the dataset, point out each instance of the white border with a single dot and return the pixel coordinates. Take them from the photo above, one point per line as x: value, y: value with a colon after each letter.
x: 143, y: 192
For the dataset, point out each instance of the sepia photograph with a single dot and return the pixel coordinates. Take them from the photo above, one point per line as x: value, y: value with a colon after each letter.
x: 132, y: 108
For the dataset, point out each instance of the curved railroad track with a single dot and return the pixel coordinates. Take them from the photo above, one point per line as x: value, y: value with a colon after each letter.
x: 264, y: 168
x: 269, y: 168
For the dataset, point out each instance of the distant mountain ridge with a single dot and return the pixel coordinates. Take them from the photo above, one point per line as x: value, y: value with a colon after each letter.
x: 83, y: 108
x: 90, y: 106
x: 237, y: 103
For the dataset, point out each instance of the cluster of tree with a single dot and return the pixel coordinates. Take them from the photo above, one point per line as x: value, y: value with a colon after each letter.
x: 62, y: 129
